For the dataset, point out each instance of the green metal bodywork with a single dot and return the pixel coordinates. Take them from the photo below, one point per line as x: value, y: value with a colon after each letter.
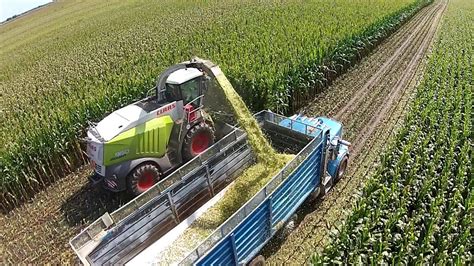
x: 149, y: 139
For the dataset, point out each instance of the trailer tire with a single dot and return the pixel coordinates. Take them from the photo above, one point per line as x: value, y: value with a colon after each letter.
x: 257, y: 261
x: 198, y: 139
x: 341, y: 169
x: 142, y: 178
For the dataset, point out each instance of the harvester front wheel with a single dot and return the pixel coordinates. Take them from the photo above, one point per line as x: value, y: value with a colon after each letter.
x: 198, y: 139
x: 142, y: 178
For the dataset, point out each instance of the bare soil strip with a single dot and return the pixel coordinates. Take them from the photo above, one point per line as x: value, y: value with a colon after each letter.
x: 379, y: 91
x: 365, y: 70
x: 362, y: 93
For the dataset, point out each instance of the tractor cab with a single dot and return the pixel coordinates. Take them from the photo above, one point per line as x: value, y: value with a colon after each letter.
x: 185, y: 84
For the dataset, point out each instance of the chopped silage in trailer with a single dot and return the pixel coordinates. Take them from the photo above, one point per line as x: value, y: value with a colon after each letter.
x: 245, y: 186
x: 269, y: 162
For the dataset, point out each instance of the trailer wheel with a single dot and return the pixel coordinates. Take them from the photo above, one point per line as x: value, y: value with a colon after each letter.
x: 341, y: 169
x: 257, y: 261
x: 198, y: 139
x: 142, y: 178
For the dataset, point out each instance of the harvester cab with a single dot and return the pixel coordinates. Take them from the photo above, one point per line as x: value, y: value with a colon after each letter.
x: 134, y: 147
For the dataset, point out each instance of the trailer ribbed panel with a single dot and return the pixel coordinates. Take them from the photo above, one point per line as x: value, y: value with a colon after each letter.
x: 252, y: 232
x: 223, y: 255
x: 298, y: 184
x: 257, y: 228
x: 289, y: 190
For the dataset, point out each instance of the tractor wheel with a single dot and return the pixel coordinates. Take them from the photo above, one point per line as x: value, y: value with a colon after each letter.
x: 341, y: 169
x: 142, y: 178
x: 257, y: 261
x: 198, y: 139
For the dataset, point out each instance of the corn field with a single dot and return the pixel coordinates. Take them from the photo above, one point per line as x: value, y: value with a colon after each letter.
x: 72, y: 62
x: 418, y: 208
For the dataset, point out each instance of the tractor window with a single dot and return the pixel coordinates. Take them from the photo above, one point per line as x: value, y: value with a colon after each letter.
x: 190, y: 91
x: 173, y: 93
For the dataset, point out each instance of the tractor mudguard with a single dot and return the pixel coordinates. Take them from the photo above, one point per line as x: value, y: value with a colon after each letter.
x: 116, y: 175
x: 334, y: 164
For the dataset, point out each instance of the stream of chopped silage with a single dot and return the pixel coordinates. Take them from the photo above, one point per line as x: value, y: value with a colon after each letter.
x: 269, y: 162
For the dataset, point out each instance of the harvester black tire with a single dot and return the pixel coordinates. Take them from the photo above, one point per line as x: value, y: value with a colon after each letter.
x: 341, y: 169
x: 199, y: 138
x: 142, y: 178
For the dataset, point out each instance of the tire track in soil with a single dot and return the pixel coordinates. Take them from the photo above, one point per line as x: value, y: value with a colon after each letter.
x: 387, y: 66
x: 401, y: 85
x: 366, y: 68
x: 384, y: 90
x: 382, y: 101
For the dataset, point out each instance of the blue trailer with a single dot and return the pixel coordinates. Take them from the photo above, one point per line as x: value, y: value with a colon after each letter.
x: 321, y: 159
x: 312, y: 172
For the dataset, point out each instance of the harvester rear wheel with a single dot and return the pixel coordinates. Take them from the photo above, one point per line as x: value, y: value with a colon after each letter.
x: 198, y: 139
x: 142, y: 178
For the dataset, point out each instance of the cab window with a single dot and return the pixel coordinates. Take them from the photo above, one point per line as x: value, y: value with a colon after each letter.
x: 190, y: 91
x: 173, y: 93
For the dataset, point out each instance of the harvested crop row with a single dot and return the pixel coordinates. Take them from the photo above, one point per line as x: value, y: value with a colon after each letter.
x: 418, y: 209
x: 114, y: 55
